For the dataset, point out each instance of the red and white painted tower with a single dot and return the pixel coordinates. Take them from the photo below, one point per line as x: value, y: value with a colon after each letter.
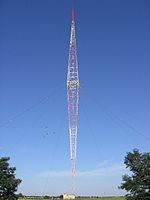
x: 73, y: 99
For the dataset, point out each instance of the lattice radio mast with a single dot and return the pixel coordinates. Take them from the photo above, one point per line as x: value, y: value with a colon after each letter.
x: 73, y: 98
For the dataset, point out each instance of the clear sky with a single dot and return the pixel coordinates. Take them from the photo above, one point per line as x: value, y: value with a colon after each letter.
x: 113, y: 44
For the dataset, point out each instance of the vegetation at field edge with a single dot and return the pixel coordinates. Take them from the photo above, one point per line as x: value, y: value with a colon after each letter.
x: 100, y: 198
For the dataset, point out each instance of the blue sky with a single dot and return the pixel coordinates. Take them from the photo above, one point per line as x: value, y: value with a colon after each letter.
x: 113, y: 45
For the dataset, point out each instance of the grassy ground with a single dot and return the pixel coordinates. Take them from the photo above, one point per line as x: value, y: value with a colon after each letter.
x: 103, y: 198
x: 106, y: 198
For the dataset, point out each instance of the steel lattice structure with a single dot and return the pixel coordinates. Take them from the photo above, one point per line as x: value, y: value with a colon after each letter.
x: 73, y: 98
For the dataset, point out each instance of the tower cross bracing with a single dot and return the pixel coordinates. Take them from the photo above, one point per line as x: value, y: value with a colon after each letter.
x: 73, y: 98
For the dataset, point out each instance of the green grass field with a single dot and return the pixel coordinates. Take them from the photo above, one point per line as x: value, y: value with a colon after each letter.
x: 106, y: 198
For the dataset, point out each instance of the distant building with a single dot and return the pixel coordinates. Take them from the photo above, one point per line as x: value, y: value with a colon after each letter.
x: 68, y: 196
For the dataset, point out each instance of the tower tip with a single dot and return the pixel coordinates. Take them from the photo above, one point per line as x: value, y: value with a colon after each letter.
x: 72, y: 14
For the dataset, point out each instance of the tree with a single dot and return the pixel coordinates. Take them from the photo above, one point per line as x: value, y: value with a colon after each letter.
x: 47, y: 197
x: 8, y: 182
x: 61, y: 196
x: 138, y: 183
x: 20, y: 195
